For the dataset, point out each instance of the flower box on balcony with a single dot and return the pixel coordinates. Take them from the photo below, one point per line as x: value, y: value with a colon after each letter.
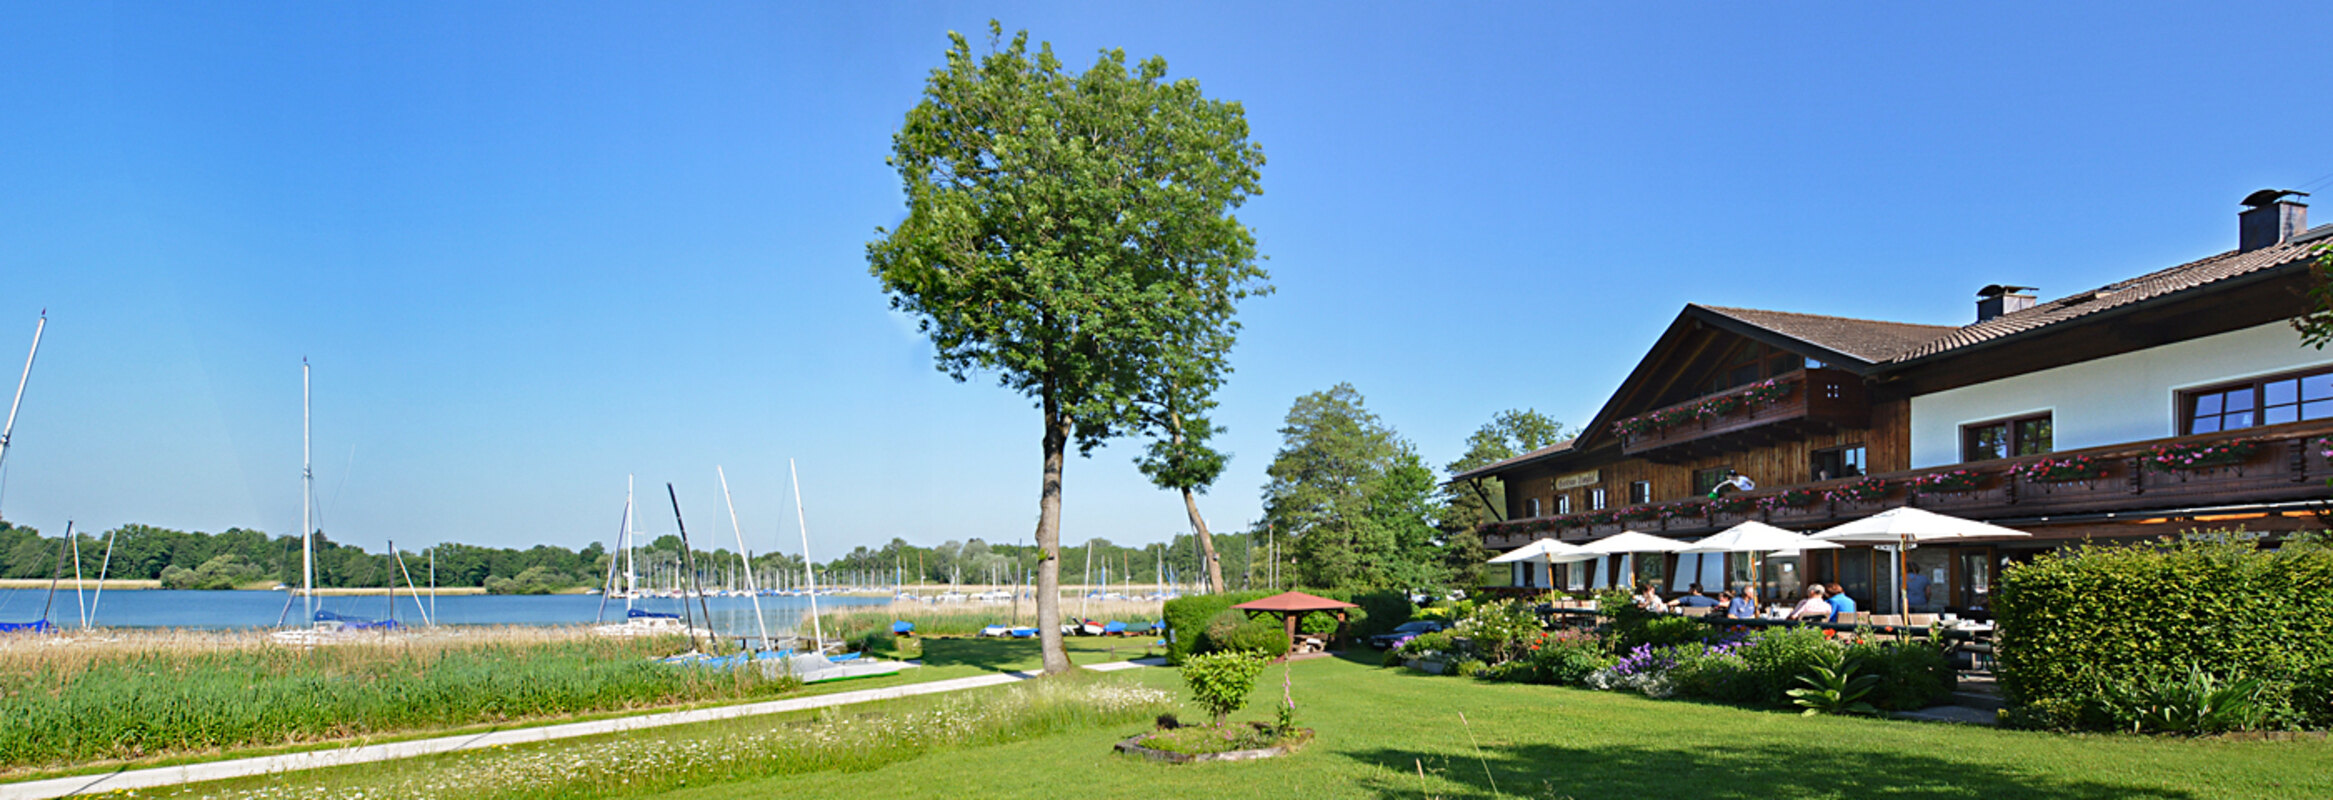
x: 2062, y: 470
x: 1952, y: 482
x: 2193, y: 457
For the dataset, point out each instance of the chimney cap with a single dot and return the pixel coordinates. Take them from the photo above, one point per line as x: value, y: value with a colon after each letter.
x: 2268, y: 197
x: 1999, y: 289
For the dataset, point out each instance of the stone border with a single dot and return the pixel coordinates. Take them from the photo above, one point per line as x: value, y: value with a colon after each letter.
x: 1285, y: 747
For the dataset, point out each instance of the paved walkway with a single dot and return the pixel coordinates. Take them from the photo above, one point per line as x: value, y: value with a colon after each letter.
x: 292, y: 762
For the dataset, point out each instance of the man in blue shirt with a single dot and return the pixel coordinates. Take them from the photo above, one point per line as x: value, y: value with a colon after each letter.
x: 1696, y: 599
x: 1840, y: 602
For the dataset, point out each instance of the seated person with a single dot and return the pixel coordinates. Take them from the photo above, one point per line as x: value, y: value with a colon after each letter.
x: 1649, y: 599
x: 1743, y: 606
x: 1695, y: 599
x: 1814, y: 607
x: 1841, y: 604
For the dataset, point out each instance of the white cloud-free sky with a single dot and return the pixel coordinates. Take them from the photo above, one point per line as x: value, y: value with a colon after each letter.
x: 532, y: 248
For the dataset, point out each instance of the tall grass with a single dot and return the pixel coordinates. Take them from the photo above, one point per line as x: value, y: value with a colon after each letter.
x: 663, y: 760
x: 966, y: 619
x: 70, y: 701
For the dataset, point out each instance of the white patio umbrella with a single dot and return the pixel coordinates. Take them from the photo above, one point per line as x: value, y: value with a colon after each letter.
x: 1757, y: 538
x: 1906, y: 526
x: 1626, y: 542
x: 1547, y: 551
x: 1541, y: 549
x: 1632, y: 542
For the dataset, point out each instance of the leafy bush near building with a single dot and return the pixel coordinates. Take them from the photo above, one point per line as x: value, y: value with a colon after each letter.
x: 2089, y: 634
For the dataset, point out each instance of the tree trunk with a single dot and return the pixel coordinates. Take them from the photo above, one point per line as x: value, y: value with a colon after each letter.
x: 1199, y: 523
x: 1206, y: 542
x: 1049, y: 542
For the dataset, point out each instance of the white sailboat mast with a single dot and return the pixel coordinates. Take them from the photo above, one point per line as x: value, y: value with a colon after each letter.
x: 307, y: 498
x: 631, y: 568
x: 10, y: 429
x: 742, y: 558
x: 809, y: 574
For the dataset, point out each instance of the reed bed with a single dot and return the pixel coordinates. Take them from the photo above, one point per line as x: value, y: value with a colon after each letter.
x: 657, y: 761
x: 72, y: 700
x: 967, y: 618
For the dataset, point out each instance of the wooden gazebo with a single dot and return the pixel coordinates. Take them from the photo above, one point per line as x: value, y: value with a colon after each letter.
x: 1292, y: 606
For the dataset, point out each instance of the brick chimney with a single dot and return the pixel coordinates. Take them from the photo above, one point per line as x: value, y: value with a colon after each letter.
x: 1998, y: 299
x: 2270, y: 217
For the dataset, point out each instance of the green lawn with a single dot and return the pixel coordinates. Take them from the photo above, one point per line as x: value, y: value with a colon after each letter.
x: 1379, y: 728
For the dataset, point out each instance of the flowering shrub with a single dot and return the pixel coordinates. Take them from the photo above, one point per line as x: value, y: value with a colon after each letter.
x: 2057, y: 470
x: 1735, y: 504
x: 2181, y: 457
x: 1862, y: 491
x: 1640, y: 513
x: 1498, y: 632
x: 1959, y: 480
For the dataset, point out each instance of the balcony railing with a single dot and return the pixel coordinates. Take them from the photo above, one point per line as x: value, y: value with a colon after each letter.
x: 1788, y: 406
x: 2280, y: 464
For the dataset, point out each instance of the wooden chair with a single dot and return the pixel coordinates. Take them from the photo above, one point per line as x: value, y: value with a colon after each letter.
x: 1921, y: 620
x: 1882, y: 619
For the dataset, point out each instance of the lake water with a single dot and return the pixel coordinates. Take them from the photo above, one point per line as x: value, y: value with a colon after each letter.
x: 165, y: 608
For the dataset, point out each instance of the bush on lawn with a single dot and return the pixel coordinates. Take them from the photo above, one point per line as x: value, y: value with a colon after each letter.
x: 1221, y: 682
x: 1913, y: 674
x: 2086, y: 628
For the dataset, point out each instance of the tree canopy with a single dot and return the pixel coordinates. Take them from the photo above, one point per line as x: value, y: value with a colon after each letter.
x: 1510, y: 433
x: 1074, y: 235
x: 1352, y: 497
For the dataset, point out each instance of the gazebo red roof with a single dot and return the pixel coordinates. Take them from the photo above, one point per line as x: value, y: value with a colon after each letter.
x: 1293, y: 602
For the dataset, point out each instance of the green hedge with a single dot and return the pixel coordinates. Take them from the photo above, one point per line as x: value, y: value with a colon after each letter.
x: 1186, y: 617
x: 2080, y: 622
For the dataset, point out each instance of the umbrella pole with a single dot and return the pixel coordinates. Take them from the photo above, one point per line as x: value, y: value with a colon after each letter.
x: 1903, y: 595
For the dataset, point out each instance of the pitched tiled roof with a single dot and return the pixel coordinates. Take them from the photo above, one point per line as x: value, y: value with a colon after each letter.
x: 2191, y: 276
x: 1873, y: 341
x: 1558, y: 447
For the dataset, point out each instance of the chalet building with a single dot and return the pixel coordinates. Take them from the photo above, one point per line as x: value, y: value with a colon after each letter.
x: 2182, y: 398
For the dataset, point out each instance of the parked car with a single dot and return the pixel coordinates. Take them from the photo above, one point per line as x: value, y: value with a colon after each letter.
x: 1405, y: 630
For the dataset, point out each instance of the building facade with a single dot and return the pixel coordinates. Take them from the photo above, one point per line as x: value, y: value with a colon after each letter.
x: 2179, y: 399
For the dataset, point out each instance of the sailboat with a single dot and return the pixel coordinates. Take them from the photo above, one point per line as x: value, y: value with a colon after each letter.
x: 325, y: 626
x: 39, y: 625
x: 813, y: 665
x: 637, y: 621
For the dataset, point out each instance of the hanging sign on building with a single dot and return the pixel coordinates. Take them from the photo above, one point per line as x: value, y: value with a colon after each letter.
x: 1576, y: 480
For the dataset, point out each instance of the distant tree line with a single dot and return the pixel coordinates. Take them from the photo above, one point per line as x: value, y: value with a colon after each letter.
x: 242, y: 558
x: 239, y: 557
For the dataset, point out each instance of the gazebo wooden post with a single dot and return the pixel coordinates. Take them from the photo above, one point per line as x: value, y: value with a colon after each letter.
x: 1340, y: 638
x: 1289, y: 621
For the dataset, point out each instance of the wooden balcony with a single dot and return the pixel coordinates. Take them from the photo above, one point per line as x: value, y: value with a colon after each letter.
x: 1813, y: 400
x: 2286, y: 463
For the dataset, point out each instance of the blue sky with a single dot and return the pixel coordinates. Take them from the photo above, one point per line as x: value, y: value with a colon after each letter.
x: 532, y: 248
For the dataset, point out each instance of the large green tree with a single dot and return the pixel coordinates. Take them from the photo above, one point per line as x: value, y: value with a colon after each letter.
x: 1069, y: 233
x: 1351, y: 496
x: 1466, y: 505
